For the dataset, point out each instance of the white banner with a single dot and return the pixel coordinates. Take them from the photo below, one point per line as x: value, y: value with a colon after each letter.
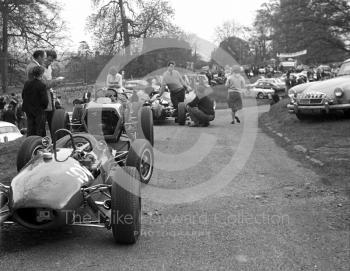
x: 300, y: 53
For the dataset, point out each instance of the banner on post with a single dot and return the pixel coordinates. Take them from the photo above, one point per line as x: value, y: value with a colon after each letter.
x: 295, y: 54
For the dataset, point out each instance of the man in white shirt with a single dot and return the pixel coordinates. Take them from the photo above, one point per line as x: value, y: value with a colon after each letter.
x: 51, y: 56
x: 176, y: 85
x: 114, y: 79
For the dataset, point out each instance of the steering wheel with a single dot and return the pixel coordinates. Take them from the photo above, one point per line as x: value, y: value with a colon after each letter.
x: 80, y: 142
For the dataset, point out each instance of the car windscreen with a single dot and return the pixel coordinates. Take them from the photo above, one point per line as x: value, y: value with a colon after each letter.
x: 344, y: 69
x: 8, y: 129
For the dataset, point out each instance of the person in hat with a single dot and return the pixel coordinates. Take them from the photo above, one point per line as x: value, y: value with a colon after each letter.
x: 235, y: 84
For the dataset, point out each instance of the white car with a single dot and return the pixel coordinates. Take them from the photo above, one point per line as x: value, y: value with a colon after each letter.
x: 259, y: 93
x: 8, y: 132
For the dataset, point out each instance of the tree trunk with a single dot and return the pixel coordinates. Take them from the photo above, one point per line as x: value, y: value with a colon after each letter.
x: 4, y: 60
x: 125, y: 27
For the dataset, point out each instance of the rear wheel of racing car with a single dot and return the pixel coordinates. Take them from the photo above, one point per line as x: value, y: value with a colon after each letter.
x: 28, y: 150
x: 126, y: 205
x: 260, y: 95
x: 60, y: 120
x: 140, y: 155
x: 145, y: 124
x: 181, y: 113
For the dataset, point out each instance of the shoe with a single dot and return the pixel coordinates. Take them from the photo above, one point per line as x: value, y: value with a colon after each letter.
x: 233, y: 122
x: 237, y: 119
x: 204, y: 124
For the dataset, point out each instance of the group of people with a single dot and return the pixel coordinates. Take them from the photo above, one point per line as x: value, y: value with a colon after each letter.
x: 11, y: 110
x: 37, y: 94
x: 201, y: 109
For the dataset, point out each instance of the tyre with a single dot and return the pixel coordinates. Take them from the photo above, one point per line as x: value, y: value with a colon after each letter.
x: 27, y: 150
x: 260, y: 95
x: 145, y: 124
x: 141, y: 157
x: 181, y: 113
x: 60, y: 120
x: 126, y: 205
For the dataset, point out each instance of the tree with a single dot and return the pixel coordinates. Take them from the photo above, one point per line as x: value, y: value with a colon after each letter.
x: 320, y: 26
x: 261, y: 39
x: 230, y: 29
x: 27, y: 24
x: 236, y: 47
x: 117, y: 23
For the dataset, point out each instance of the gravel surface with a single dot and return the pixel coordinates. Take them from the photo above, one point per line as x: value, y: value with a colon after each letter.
x: 225, y: 197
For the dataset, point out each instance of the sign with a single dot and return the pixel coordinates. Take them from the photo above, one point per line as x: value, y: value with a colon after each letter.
x: 300, y: 53
x: 289, y: 64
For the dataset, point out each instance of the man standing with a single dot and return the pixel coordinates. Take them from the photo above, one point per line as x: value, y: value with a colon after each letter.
x: 35, y: 100
x: 37, y: 60
x: 51, y: 56
x: 176, y: 85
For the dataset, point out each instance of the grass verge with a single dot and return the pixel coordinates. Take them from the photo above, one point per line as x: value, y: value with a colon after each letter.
x: 326, y: 139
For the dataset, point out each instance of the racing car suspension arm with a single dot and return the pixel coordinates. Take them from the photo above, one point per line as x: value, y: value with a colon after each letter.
x: 88, y: 191
x: 121, y: 156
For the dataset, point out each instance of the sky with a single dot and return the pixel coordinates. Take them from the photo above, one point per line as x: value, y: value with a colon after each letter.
x: 194, y: 16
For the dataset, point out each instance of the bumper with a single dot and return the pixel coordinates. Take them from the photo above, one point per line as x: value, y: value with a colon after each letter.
x: 295, y: 108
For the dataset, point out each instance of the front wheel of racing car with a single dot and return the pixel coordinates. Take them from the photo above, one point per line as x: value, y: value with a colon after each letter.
x: 126, y: 205
x: 141, y: 156
x: 28, y: 150
x: 60, y: 120
x: 181, y: 113
x: 145, y: 124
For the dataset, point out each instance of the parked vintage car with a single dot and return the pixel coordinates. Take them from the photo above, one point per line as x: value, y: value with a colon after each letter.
x: 9, y: 132
x: 272, y: 83
x: 322, y: 97
x: 261, y: 90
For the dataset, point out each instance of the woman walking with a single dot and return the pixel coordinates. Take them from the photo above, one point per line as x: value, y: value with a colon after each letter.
x: 235, y: 84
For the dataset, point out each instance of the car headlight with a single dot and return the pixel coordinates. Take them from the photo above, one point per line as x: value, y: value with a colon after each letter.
x: 338, y: 92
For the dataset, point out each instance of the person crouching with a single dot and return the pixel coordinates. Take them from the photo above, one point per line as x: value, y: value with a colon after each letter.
x: 201, y: 109
x: 35, y: 101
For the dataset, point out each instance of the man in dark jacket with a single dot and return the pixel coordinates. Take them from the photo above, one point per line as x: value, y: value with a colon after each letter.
x: 35, y: 101
x: 201, y: 109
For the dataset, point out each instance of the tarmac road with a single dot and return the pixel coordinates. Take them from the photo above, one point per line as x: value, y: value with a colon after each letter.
x: 225, y: 197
